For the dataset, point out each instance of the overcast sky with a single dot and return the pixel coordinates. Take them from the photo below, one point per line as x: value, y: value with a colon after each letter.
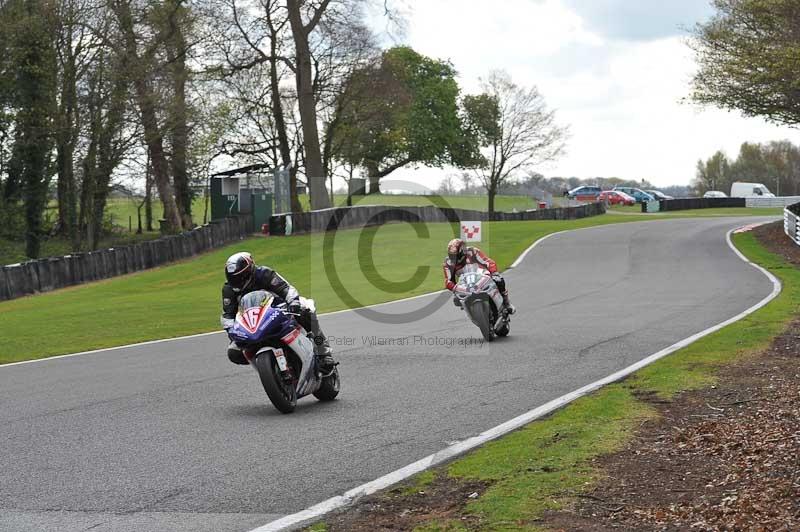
x: 615, y: 71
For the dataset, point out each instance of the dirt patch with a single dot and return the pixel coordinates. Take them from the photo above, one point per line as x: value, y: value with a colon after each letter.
x: 406, y: 507
x: 723, y: 458
x: 774, y: 239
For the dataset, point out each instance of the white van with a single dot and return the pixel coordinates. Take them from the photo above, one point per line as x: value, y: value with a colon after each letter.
x: 750, y: 190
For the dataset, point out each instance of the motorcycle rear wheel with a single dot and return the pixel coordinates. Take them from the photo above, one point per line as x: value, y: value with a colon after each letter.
x: 329, y: 388
x: 283, y: 395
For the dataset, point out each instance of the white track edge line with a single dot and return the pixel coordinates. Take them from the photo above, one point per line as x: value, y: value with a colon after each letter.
x: 313, y: 513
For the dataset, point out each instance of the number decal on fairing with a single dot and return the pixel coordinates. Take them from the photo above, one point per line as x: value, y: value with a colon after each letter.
x: 250, y: 318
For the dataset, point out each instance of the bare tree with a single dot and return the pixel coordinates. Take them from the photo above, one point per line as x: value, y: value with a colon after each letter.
x: 516, y: 129
x: 466, y: 182
x: 306, y: 99
x: 447, y: 186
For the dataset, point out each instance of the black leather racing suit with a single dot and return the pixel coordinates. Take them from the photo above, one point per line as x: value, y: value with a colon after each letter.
x: 265, y: 278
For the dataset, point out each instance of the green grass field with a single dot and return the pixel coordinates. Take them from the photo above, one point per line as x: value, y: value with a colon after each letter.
x: 477, y: 203
x: 123, y: 210
x: 549, y: 463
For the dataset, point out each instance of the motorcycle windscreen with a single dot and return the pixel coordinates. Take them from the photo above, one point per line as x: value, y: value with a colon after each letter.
x: 471, y: 277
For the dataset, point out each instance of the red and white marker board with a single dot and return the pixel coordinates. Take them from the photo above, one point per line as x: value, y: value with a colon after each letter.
x: 471, y: 231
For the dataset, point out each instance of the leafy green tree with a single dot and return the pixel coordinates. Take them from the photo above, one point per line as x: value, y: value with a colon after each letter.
x: 402, y: 110
x: 712, y: 174
x: 782, y: 159
x: 33, y: 60
x: 750, y: 165
x: 748, y: 56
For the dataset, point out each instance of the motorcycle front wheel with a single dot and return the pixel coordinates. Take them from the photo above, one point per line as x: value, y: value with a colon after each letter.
x: 282, y: 394
x: 480, y: 313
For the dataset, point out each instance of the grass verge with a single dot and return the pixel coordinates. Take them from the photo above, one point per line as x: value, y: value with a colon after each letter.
x: 693, y: 213
x: 547, y: 463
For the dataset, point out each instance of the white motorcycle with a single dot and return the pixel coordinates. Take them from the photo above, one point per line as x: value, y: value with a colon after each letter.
x: 477, y: 294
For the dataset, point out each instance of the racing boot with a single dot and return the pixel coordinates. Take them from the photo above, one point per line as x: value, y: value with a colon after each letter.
x: 510, y: 309
x: 236, y: 355
x: 324, y: 354
x: 322, y: 348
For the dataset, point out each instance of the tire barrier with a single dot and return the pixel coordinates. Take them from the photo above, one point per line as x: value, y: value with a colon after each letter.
x: 371, y: 215
x: 699, y: 203
x: 791, y: 222
x: 44, y: 275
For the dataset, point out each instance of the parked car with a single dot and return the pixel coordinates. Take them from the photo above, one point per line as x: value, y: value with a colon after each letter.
x: 584, y: 192
x: 616, y: 197
x: 750, y: 190
x: 714, y: 194
x: 657, y: 194
x: 636, y: 193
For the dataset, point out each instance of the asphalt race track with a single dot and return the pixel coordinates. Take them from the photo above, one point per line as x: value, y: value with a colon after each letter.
x: 172, y: 436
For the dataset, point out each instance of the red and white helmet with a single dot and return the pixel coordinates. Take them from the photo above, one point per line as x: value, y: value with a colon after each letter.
x: 455, y: 251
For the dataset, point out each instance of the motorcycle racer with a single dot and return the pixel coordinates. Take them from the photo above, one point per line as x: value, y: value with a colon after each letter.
x: 242, y: 276
x: 460, y: 255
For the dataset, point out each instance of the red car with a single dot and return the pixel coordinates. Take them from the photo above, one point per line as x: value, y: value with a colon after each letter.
x: 616, y: 197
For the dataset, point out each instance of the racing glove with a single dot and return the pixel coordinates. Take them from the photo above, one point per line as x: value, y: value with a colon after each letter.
x: 295, y: 307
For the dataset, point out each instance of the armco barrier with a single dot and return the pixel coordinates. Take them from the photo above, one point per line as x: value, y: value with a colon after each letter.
x: 43, y: 275
x: 780, y: 201
x: 791, y: 222
x: 369, y: 215
x: 699, y: 203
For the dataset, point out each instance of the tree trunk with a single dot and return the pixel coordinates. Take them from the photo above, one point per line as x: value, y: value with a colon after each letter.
x: 148, y: 197
x: 161, y: 177
x: 492, y: 190
x: 107, y: 155
x: 373, y: 173
x: 146, y: 100
x: 180, y: 129
x: 65, y: 148
x: 306, y: 102
x: 277, y: 113
x: 158, y: 159
x: 86, y: 221
x: 12, y: 188
x: 35, y: 181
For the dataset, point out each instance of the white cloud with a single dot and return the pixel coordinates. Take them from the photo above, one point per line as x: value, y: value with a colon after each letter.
x: 620, y: 91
